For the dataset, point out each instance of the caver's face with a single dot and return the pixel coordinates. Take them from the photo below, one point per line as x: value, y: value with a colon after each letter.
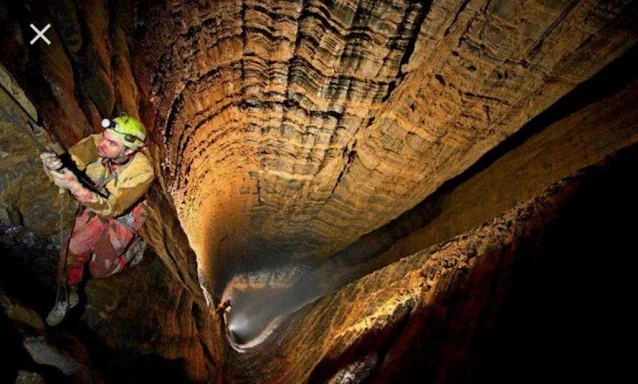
x: 111, y: 147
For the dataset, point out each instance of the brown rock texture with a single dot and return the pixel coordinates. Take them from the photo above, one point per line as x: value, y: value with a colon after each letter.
x: 498, y: 303
x: 592, y: 122
x: 580, y: 139
x: 27, y: 196
x: 312, y: 123
x: 282, y: 132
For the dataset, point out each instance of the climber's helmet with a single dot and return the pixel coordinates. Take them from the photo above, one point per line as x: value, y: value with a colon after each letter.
x: 128, y: 129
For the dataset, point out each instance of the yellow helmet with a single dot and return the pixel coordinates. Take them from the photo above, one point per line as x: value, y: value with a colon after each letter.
x: 128, y: 129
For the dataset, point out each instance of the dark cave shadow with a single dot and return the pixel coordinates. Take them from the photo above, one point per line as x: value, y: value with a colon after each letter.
x: 107, y: 365
x: 123, y: 365
x: 557, y: 306
x: 15, y: 356
x: 28, y: 274
x: 361, y: 257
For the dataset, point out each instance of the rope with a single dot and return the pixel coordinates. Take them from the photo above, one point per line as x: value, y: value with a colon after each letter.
x: 63, y: 258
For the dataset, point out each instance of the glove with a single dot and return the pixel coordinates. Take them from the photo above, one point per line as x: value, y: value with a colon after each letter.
x: 51, y: 161
x: 65, y: 179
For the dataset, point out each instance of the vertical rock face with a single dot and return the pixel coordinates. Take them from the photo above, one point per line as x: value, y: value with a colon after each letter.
x: 84, y: 75
x: 283, y: 131
x: 501, y: 302
x: 293, y: 128
x: 592, y: 122
x: 260, y: 90
x: 27, y: 197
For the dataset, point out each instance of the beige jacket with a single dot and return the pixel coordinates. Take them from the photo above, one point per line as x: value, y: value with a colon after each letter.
x: 125, y: 190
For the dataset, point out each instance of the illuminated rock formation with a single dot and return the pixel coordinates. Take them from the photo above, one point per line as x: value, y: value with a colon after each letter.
x: 302, y: 145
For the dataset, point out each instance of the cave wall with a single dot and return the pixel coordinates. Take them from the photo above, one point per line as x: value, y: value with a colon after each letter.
x: 581, y: 138
x: 535, y: 293
x: 593, y: 121
x: 84, y: 75
x: 286, y: 130
x: 312, y: 123
x: 27, y: 197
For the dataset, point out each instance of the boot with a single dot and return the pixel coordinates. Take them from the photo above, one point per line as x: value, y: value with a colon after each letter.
x: 61, y: 307
x: 135, y: 252
x: 74, y: 298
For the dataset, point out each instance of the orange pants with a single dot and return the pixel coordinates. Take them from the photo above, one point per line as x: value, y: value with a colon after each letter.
x: 100, y: 241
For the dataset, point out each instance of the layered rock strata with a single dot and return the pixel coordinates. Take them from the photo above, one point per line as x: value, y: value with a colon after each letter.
x: 312, y: 123
x: 283, y: 131
x: 592, y: 122
x: 507, y: 300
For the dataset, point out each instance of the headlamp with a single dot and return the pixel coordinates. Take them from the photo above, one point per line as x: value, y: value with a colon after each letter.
x: 110, y: 124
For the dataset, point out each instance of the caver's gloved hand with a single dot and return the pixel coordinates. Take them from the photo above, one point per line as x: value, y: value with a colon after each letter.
x: 65, y: 179
x: 51, y: 161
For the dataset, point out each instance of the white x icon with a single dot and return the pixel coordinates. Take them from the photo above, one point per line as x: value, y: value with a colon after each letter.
x: 40, y: 34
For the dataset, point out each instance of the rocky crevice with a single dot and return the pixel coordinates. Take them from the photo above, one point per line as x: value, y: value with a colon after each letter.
x: 579, y: 130
x: 296, y: 104
x: 284, y: 131
x: 504, y: 290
